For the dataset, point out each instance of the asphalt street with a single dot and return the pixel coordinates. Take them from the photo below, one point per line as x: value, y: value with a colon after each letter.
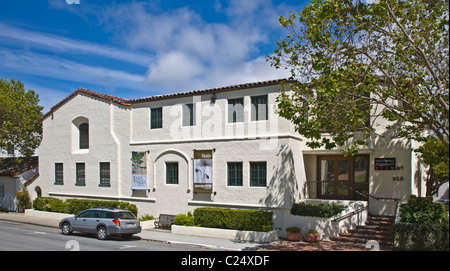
x: 27, y: 237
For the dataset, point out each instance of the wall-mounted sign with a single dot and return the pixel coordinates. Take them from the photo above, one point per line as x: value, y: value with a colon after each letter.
x: 385, y: 164
x: 139, y: 170
x: 203, y: 171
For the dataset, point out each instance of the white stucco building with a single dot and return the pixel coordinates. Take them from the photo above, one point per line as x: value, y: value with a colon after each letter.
x: 252, y: 158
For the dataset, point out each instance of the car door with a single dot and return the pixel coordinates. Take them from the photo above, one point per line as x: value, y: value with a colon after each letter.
x: 81, y: 221
x: 90, y: 224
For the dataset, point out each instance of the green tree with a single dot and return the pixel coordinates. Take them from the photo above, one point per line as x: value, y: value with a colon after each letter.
x: 19, y: 117
x: 434, y: 154
x: 356, y: 62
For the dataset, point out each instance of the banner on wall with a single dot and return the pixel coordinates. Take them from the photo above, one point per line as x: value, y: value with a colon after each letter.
x: 139, y: 170
x: 203, y: 171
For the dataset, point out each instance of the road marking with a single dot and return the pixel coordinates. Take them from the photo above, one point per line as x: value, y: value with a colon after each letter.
x: 126, y: 246
x: 37, y: 232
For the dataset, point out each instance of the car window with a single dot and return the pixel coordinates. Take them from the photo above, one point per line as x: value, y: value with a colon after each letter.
x: 126, y: 215
x: 96, y: 214
x: 106, y: 214
x: 85, y: 214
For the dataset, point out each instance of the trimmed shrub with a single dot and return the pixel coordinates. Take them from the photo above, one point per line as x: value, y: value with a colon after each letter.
x: 75, y: 206
x: 421, y: 237
x: 236, y: 219
x: 49, y: 204
x: 320, y: 210
x: 184, y: 220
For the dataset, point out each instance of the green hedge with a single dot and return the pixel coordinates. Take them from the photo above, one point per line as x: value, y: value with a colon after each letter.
x: 424, y: 225
x: 49, y: 204
x: 236, y: 219
x: 421, y: 237
x: 319, y: 210
x: 75, y: 206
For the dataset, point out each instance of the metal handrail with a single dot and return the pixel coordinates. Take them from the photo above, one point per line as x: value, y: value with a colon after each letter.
x: 371, y: 196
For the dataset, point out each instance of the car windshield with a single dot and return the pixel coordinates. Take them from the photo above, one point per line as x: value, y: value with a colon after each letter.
x: 126, y: 215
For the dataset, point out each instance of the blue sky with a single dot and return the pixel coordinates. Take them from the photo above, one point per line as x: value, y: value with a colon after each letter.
x: 135, y: 49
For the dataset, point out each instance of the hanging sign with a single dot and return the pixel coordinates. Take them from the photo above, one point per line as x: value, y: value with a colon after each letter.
x: 384, y: 163
x: 139, y: 170
x: 203, y: 171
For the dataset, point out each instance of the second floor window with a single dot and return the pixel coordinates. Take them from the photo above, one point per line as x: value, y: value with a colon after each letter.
x: 188, y: 115
x: 235, y: 110
x: 259, y: 107
x: 156, y: 118
x: 84, y: 135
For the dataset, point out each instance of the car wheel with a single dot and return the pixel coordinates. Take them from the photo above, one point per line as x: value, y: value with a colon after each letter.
x: 102, y: 234
x: 66, y: 230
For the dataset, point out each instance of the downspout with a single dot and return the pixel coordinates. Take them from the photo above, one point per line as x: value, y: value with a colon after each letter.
x: 111, y: 125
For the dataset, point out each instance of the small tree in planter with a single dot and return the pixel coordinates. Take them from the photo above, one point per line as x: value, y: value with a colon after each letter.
x: 293, y: 233
x: 312, y: 236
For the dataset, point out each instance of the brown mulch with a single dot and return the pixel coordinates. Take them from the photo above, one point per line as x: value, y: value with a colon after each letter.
x: 320, y: 246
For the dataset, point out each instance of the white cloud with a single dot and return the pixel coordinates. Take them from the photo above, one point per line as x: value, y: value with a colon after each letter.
x: 191, y: 53
x: 54, y: 43
x: 58, y: 68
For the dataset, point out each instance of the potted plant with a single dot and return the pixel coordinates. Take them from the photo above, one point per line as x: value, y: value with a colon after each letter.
x: 312, y: 236
x: 293, y: 233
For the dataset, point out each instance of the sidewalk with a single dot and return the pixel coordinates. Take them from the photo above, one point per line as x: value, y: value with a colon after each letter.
x: 164, y: 236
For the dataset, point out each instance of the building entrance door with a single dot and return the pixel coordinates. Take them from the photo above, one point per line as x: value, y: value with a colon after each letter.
x: 336, y: 177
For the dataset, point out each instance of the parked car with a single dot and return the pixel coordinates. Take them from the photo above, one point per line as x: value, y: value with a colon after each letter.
x: 103, y: 222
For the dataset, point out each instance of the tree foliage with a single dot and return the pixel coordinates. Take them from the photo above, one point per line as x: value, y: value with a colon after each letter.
x: 19, y: 117
x: 357, y: 62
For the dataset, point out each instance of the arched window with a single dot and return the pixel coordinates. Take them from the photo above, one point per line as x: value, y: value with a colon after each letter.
x: 84, y: 135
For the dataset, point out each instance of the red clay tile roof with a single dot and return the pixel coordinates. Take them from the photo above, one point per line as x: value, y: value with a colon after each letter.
x: 125, y: 102
x: 211, y: 90
x: 15, y: 166
x: 95, y: 94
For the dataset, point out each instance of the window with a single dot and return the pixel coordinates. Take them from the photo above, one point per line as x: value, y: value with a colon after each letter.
x: 259, y: 107
x: 81, y: 174
x: 59, y: 173
x: 84, y: 135
x: 188, y: 115
x: 105, y: 174
x: 234, y: 173
x: 156, y: 118
x: 172, y: 173
x: 258, y: 174
x: 236, y: 110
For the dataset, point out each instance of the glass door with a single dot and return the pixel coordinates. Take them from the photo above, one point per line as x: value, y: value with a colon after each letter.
x: 334, y: 177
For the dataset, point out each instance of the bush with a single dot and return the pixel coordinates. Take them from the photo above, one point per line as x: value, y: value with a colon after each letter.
x: 424, y: 225
x: 49, y: 204
x: 146, y: 217
x: 75, y: 206
x: 184, y: 220
x: 421, y: 237
x: 320, y: 210
x: 421, y: 210
x: 236, y: 219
